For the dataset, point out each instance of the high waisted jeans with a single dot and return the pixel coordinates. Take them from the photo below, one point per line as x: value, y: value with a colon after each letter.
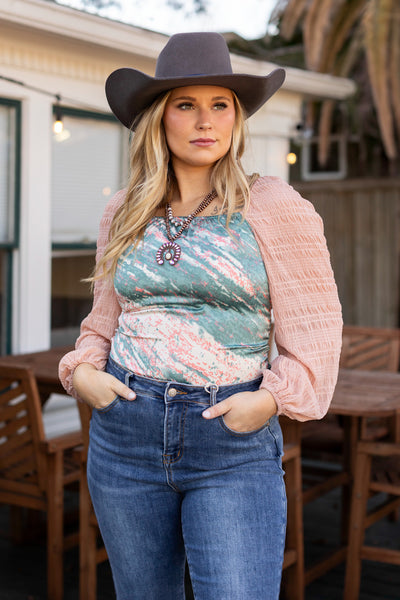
x: 167, y: 484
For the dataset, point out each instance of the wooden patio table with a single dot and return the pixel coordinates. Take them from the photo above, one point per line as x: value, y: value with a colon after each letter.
x: 365, y: 394
x: 358, y: 394
x: 44, y: 365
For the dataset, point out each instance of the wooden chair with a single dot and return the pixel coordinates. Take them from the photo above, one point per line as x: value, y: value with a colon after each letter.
x: 377, y: 470
x: 34, y: 470
x: 364, y: 348
x: 372, y: 349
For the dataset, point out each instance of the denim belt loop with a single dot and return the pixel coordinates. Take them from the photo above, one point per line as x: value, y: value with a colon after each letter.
x: 212, y: 389
x: 127, y: 378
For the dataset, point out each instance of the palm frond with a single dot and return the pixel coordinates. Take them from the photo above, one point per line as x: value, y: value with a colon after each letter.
x: 324, y: 131
x: 394, y: 68
x: 291, y: 17
x: 308, y: 32
x: 342, y: 69
x: 342, y: 24
x: 319, y: 29
x: 376, y: 24
x: 339, y: 37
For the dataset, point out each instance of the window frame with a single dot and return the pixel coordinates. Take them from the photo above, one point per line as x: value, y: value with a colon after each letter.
x: 14, y: 244
x: 76, y: 249
x: 7, y: 249
x: 88, y: 114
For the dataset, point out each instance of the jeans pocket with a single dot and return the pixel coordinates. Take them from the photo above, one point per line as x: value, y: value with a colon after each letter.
x: 235, y: 433
x: 110, y: 406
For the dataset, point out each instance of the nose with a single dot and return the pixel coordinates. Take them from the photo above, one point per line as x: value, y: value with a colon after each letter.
x: 204, y: 119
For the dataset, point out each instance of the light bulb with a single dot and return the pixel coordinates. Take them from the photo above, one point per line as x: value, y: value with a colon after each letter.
x: 291, y: 158
x: 58, y: 126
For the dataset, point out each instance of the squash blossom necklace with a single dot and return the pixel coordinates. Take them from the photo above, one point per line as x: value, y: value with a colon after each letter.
x: 171, y: 251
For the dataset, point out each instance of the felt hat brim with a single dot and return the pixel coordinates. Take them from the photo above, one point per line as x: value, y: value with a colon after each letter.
x: 187, y: 59
x: 129, y: 91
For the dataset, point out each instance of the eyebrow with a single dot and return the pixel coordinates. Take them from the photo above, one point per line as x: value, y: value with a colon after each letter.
x: 194, y: 99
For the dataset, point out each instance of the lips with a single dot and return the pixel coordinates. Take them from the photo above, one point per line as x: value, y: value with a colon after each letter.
x: 203, y: 142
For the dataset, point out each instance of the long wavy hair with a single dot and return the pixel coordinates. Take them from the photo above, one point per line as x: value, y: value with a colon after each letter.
x: 152, y: 182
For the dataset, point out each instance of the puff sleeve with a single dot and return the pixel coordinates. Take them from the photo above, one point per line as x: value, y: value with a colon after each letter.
x: 97, y: 329
x: 307, y: 311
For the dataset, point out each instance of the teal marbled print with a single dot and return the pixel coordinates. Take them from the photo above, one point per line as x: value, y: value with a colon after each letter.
x: 205, y: 319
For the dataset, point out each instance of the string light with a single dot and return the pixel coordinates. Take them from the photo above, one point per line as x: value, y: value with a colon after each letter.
x: 58, y: 125
x: 291, y: 158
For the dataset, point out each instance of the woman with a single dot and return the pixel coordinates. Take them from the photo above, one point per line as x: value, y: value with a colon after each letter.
x: 185, y: 444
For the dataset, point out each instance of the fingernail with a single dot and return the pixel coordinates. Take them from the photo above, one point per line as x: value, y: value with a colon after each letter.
x: 131, y: 396
x: 206, y: 414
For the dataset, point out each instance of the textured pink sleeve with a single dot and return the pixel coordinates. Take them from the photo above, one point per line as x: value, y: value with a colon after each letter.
x: 307, y: 312
x: 97, y: 329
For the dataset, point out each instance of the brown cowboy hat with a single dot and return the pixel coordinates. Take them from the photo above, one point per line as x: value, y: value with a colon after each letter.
x: 187, y: 59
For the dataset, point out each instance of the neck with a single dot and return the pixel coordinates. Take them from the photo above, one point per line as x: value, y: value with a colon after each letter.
x: 192, y: 186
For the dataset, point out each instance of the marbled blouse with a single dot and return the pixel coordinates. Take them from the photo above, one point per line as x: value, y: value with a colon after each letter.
x: 205, y: 319
x: 307, y: 312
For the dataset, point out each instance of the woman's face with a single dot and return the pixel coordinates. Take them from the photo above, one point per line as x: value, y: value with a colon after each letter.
x: 198, y: 122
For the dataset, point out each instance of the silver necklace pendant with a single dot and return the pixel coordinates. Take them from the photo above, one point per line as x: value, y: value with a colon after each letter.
x: 170, y: 251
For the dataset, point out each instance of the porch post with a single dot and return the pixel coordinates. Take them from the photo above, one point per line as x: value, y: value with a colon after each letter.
x: 32, y: 277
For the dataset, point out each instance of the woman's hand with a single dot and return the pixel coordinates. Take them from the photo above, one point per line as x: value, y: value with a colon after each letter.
x: 246, y: 411
x: 98, y: 388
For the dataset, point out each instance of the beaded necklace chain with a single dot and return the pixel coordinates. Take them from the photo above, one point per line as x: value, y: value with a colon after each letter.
x: 171, y: 251
x: 176, y: 221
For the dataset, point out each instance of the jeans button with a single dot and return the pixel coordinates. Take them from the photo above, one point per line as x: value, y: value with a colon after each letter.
x: 172, y: 392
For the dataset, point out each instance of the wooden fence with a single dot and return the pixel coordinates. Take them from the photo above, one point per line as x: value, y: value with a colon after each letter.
x: 362, y: 219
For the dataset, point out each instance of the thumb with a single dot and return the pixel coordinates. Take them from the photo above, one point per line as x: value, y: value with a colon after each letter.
x: 124, y: 391
x: 217, y: 410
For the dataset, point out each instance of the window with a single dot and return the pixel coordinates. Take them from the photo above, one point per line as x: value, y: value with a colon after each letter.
x: 89, y: 166
x: 90, y: 159
x: 336, y: 168
x: 10, y: 118
x: 71, y: 298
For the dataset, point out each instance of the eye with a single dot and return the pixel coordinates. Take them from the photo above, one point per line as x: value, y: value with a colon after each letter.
x: 185, y: 105
x: 220, y: 106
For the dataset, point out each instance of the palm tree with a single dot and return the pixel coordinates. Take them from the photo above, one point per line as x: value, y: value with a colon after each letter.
x: 337, y: 35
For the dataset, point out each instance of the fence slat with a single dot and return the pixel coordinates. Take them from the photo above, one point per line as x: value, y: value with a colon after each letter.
x: 362, y: 224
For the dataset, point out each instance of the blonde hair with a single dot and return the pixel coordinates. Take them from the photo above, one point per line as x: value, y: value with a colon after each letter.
x: 152, y: 181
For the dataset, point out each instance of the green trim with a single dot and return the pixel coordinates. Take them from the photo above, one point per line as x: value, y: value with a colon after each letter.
x: 73, y: 246
x: 6, y: 258
x: 8, y: 247
x: 9, y: 101
x: 86, y: 114
x: 17, y: 186
x: 9, y: 304
x: 16, y: 104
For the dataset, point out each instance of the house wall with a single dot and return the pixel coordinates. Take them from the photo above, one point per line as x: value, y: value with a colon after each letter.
x: 75, y: 66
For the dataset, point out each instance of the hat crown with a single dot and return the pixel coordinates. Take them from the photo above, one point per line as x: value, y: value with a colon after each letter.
x: 188, y: 54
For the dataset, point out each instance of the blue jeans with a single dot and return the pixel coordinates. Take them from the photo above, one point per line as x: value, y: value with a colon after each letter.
x: 167, y: 485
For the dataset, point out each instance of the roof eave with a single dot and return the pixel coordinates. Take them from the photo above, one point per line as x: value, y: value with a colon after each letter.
x: 62, y: 20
